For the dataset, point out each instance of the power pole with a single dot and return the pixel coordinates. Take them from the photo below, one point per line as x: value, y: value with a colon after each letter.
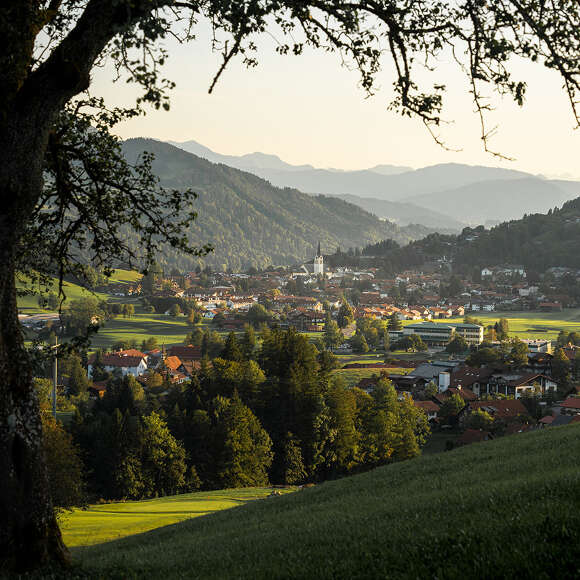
x: 55, y: 376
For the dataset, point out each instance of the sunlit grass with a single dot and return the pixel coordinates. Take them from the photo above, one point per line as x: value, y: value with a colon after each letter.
x: 111, y: 521
x: 508, y: 508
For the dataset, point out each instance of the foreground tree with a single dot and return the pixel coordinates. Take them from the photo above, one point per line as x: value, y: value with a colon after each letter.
x: 59, y: 196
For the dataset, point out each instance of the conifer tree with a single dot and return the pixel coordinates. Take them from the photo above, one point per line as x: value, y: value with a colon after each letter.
x: 162, y: 457
x: 231, y: 349
x: 243, y: 452
x: 248, y: 342
x: 291, y: 462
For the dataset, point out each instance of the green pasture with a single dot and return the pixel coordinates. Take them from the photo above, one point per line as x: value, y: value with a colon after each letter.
x: 507, y: 508
x: 105, y: 522
x: 351, y: 377
x: 125, y: 277
x: 526, y: 324
x: 29, y: 304
x: 166, y: 329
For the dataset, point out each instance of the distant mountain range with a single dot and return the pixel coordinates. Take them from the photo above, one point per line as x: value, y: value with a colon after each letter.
x: 252, y: 223
x: 262, y: 163
x: 453, y: 194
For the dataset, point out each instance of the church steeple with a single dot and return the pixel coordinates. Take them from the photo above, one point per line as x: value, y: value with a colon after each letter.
x: 319, y: 262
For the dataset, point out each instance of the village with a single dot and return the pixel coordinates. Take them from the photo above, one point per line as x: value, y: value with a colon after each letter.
x: 470, y: 378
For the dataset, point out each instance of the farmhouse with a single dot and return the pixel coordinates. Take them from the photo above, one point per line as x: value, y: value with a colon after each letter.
x: 129, y: 362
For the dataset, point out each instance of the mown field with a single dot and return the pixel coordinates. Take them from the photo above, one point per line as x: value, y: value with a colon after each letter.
x: 545, y: 325
x: 29, y: 304
x: 351, y: 377
x: 508, y: 508
x: 166, y: 329
x: 106, y: 522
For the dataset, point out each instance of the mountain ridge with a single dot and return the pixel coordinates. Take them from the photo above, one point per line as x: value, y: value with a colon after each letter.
x: 432, y: 188
x: 251, y: 222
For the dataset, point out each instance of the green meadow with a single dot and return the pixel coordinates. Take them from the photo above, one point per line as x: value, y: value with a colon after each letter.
x: 166, y: 329
x: 110, y: 521
x: 508, y: 508
x: 29, y: 304
x: 527, y: 324
x: 351, y: 377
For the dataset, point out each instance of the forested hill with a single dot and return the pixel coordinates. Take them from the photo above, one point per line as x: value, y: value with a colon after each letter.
x: 252, y: 223
x: 537, y: 241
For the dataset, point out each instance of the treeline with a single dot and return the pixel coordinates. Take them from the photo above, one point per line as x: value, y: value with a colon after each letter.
x: 537, y: 242
x: 258, y: 413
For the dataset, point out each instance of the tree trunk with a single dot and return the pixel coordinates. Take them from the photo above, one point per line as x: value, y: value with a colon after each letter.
x: 29, y: 533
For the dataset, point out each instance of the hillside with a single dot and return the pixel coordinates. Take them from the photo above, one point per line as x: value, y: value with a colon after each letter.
x: 538, y: 241
x: 496, y: 200
x: 447, y: 193
x: 504, y: 509
x: 406, y: 213
x: 100, y: 523
x: 250, y: 222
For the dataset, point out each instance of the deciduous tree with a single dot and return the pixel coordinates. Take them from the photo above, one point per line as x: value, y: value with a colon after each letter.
x: 47, y: 53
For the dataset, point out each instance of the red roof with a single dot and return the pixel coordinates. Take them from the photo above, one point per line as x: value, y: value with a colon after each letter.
x: 427, y: 406
x: 547, y: 419
x: 116, y: 359
x: 186, y: 352
x: 467, y: 376
x: 172, y: 362
x: 132, y: 352
x: 571, y: 403
x: 501, y: 409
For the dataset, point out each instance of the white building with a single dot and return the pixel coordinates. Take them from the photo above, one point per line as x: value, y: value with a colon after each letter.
x: 319, y: 263
x: 129, y: 362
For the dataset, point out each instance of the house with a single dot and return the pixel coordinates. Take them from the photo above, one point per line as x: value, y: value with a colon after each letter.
x: 98, y: 389
x: 185, y: 353
x: 431, y: 333
x: 129, y: 362
x: 506, y: 410
x: 430, y: 408
x: 516, y: 384
x: 538, y: 345
x: 303, y: 319
x: 571, y: 406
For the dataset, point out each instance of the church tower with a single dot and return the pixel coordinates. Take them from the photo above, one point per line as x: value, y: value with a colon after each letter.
x: 319, y: 262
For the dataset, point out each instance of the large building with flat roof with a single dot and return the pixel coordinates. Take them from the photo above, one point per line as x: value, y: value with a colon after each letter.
x: 435, y: 335
x: 431, y: 333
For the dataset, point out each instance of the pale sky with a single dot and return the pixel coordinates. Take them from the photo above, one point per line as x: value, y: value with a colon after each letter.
x: 309, y: 109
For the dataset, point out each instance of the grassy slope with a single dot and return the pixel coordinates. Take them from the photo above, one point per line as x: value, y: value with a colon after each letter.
x: 506, y: 508
x: 106, y: 522
x: 166, y: 329
x: 29, y: 304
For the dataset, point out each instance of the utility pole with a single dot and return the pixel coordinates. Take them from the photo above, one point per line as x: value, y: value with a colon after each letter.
x: 55, y: 376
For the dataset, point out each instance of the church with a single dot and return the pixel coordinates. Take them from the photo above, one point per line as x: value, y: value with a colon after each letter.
x: 319, y: 263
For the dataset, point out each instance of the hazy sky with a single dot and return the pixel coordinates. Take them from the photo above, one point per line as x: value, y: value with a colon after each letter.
x: 309, y: 109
